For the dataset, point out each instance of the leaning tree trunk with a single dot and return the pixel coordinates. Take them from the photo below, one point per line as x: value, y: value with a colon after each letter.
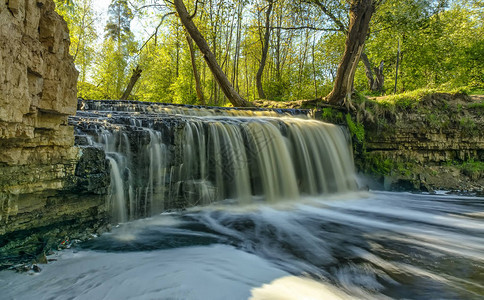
x: 134, y: 78
x: 198, y: 85
x: 265, y: 49
x: 375, y: 82
x: 379, y: 79
x: 368, y: 70
x: 360, y: 15
x: 217, y: 72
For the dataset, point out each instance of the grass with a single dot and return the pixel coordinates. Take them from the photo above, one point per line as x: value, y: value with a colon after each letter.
x: 407, y: 99
x: 476, y: 91
x: 477, y: 105
x: 411, y: 99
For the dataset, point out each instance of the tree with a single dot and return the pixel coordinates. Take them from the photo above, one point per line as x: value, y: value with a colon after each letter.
x: 81, y: 19
x: 360, y: 15
x: 132, y: 81
x: 210, y: 59
x: 118, y: 27
x: 265, y: 49
x: 196, y: 74
x: 118, y: 33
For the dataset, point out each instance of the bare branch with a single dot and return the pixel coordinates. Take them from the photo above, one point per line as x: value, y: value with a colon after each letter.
x: 306, y: 27
x: 156, y: 30
x: 195, y: 12
x: 327, y: 12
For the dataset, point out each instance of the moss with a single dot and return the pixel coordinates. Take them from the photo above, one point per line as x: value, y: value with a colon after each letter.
x: 379, y: 165
x: 467, y: 124
x: 477, y: 106
x: 356, y: 129
x: 473, y: 169
x: 412, y: 99
x: 476, y: 91
x: 327, y: 113
x: 332, y: 115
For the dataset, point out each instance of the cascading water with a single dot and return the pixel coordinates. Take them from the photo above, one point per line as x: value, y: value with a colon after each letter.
x: 358, y: 245
x: 165, y: 156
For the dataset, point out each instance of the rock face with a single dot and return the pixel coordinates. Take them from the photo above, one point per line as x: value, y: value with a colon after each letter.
x: 437, y: 144
x: 38, y: 161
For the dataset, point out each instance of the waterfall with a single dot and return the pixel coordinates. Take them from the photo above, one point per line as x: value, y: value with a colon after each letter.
x: 167, y: 157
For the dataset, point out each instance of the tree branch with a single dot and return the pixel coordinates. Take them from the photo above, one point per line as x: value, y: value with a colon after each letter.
x: 327, y: 12
x: 306, y: 27
x: 156, y: 30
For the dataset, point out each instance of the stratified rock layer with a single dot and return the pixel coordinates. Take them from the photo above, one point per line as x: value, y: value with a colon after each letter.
x: 429, y: 146
x: 39, y: 184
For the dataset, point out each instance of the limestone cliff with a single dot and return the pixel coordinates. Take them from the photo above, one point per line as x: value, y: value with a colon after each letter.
x: 435, y: 143
x: 37, y: 94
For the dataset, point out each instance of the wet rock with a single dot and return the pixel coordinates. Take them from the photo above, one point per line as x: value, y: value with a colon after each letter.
x: 36, y: 269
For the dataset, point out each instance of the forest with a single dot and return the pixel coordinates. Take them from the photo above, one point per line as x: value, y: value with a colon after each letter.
x: 271, y: 49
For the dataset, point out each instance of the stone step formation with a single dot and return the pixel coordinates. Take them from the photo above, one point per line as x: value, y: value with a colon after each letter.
x: 163, y: 156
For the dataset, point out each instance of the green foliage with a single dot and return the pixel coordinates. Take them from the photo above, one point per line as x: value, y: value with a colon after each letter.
x: 379, y: 165
x: 439, y: 45
x: 118, y: 27
x: 356, y: 129
x: 407, y: 99
x: 442, y: 48
x: 375, y: 164
x: 87, y: 90
x: 333, y: 116
x: 477, y: 105
x: 468, y: 124
x: 473, y: 169
x: 81, y: 19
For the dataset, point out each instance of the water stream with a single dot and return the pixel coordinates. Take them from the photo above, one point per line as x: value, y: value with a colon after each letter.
x: 164, y: 157
x: 353, y: 246
x: 271, y: 211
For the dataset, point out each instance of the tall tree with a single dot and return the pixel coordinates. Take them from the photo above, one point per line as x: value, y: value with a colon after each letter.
x: 118, y: 31
x: 81, y: 18
x: 360, y: 16
x: 196, y: 74
x: 217, y: 72
x: 118, y: 27
x: 265, y: 49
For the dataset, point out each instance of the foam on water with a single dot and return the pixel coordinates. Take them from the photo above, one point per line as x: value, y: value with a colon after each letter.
x: 353, y: 247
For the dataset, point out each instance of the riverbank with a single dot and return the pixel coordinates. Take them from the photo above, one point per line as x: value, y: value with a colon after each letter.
x: 431, y: 142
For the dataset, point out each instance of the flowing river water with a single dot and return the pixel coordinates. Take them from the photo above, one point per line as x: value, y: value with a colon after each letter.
x: 254, y: 205
x: 366, y: 245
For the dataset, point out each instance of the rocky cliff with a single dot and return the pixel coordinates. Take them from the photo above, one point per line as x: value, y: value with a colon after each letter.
x: 38, y: 162
x: 432, y: 143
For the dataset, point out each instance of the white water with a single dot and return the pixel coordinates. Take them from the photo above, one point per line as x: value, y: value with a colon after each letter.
x: 353, y: 246
x: 275, y: 219
x: 164, y: 161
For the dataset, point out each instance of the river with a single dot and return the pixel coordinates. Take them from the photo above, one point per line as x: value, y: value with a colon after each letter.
x: 364, y: 245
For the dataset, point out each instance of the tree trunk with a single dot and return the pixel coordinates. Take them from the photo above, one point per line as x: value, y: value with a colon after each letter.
x: 360, y: 15
x: 314, y: 71
x: 375, y: 81
x: 396, y: 68
x: 217, y: 72
x: 198, y: 85
x: 379, y: 79
x: 134, y: 78
x: 368, y: 70
x: 265, y: 49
